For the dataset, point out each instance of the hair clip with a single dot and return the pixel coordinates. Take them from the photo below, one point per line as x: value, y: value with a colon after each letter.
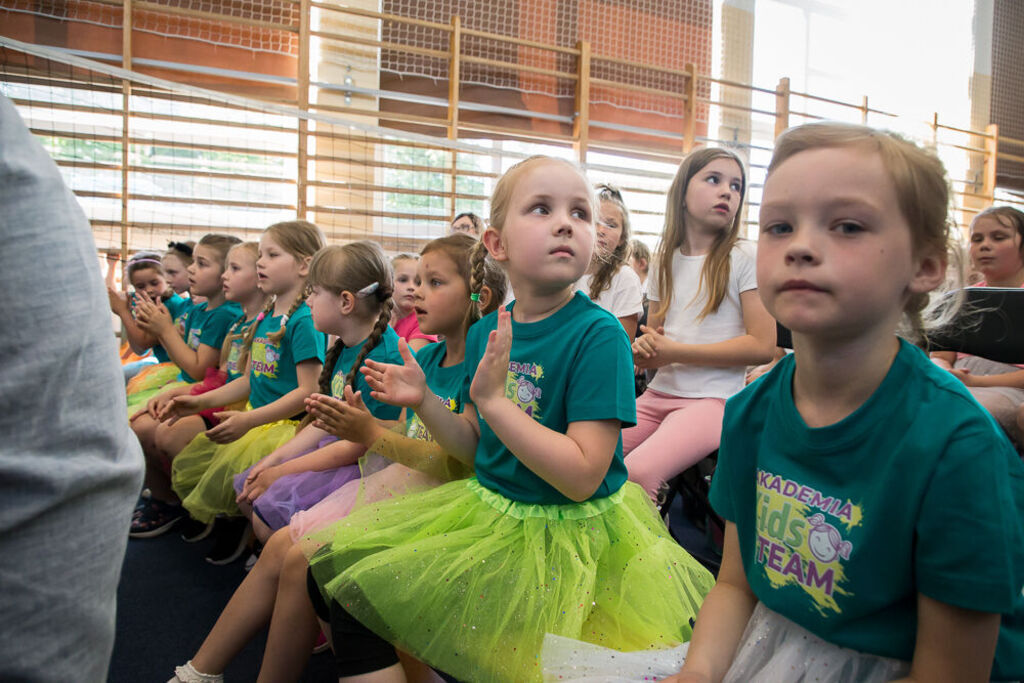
x: 261, y: 316
x: 132, y: 262
x: 284, y: 320
x: 368, y: 290
x: 475, y: 296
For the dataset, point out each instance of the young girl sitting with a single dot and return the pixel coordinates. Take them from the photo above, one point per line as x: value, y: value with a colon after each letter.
x: 873, y: 507
x: 285, y: 359
x: 146, y: 275
x: 164, y: 442
x: 705, y: 325
x: 444, y: 305
x: 608, y: 281
x: 199, y: 351
x: 403, y: 319
x: 997, y: 252
x: 350, y: 298
x: 548, y: 536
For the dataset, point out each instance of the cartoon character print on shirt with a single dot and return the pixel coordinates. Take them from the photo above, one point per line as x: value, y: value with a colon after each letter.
x: 179, y: 323
x: 800, y: 538
x: 264, y: 358
x: 522, y: 385
x: 193, y: 337
x: 418, y: 430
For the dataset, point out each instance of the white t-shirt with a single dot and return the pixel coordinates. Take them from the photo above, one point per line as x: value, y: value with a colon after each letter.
x: 623, y: 297
x: 700, y: 381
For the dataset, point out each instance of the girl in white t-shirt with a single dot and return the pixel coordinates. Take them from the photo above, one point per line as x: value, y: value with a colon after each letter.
x: 706, y: 322
x: 609, y: 281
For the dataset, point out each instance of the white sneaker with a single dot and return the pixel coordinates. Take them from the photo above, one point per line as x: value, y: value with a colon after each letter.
x: 188, y: 674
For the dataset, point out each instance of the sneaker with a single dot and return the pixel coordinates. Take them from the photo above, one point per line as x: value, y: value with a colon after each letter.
x: 155, y: 519
x: 232, y: 538
x: 321, y: 643
x: 193, y: 531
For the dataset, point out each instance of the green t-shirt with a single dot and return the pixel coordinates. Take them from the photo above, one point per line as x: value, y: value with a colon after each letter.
x: 210, y: 327
x: 386, y: 351
x: 179, y: 307
x: 840, y: 527
x: 272, y: 366
x: 238, y: 330
x: 573, y: 366
x: 444, y: 382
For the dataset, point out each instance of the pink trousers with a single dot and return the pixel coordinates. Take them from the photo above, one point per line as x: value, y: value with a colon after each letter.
x: 671, y: 434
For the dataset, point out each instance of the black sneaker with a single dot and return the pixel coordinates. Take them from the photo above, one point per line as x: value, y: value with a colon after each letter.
x: 193, y: 531
x: 155, y: 518
x: 231, y: 536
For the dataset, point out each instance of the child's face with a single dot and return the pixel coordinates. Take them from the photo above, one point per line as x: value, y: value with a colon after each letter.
x: 609, y: 228
x: 405, y: 285
x: 325, y: 307
x: 548, y: 237
x: 176, y: 272
x: 465, y: 224
x: 150, y: 281
x: 713, y: 196
x: 204, y: 273
x: 239, y: 278
x: 277, y: 270
x: 441, y: 295
x: 995, y: 248
x: 835, y: 257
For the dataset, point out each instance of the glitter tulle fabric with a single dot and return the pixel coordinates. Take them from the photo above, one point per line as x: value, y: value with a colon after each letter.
x: 203, y: 473
x: 772, y: 649
x: 469, y: 581
x: 150, y: 381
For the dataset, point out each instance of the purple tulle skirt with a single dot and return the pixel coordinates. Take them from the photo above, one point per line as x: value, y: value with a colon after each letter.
x: 294, y: 492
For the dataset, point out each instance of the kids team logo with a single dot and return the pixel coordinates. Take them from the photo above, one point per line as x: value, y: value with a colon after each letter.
x: 418, y: 430
x: 800, y: 538
x: 193, y: 337
x: 522, y: 385
x: 234, y: 353
x: 264, y: 358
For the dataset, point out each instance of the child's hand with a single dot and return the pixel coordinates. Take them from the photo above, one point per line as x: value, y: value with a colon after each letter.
x: 492, y: 372
x: 399, y: 385
x: 257, y: 483
x: 118, y: 301
x: 153, y: 317
x: 233, y: 424
x: 349, y: 419
x: 179, y: 407
x: 648, y: 349
x: 964, y: 376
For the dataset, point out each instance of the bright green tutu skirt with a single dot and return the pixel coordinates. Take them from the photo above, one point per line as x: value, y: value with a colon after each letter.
x: 202, y: 474
x: 470, y: 581
x: 149, y: 382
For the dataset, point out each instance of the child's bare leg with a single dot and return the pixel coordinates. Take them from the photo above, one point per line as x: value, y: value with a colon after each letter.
x: 416, y: 671
x: 392, y: 674
x: 293, y: 627
x: 172, y: 439
x: 157, y: 481
x: 248, y: 610
x: 245, y: 507
x: 259, y: 527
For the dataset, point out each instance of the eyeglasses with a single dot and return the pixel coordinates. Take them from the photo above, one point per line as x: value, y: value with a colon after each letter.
x: 605, y: 191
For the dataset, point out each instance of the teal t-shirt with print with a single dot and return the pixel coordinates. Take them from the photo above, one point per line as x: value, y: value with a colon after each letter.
x: 179, y: 308
x: 444, y: 382
x: 210, y: 327
x: 840, y: 527
x: 573, y: 366
x: 386, y: 351
x: 237, y: 333
x: 272, y: 366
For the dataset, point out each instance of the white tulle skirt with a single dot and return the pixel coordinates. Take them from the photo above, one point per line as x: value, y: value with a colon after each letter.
x: 773, y: 649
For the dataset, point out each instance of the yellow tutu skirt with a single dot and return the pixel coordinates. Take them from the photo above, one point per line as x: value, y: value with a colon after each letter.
x: 469, y: 581
x: 149, y: 382
x: 202, y: 474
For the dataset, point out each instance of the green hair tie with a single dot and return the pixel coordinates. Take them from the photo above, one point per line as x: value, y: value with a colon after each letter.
x: 475, y: 296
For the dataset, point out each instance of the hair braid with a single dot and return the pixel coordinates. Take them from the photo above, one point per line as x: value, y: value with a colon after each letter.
x: 277, y: 336
x: 250, y: 336
x: 477, y: 280
x: 379, y: 328
x: 326, y: 375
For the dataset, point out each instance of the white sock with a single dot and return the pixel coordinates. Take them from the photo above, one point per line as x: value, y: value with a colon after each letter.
x: 188, y: 674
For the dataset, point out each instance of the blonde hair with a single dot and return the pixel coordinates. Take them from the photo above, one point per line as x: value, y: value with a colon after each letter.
x: 463, y: 249
x: 922, y: 193
x: 610, y: 263
x: 225, y: 350
x: 362, y: 269
x: 220, y: 244
x: 714, y: 274
x: 302, y: 240
x: 639, y: 250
